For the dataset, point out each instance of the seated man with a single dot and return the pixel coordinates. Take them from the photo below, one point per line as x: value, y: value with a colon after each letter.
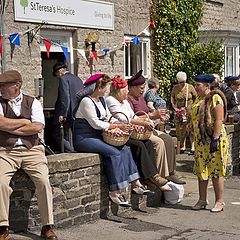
x: 21, y: 119
x: 135, y: 97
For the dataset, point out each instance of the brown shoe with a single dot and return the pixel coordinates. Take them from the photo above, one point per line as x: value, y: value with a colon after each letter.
x: 158, y: 180
x: 175, y: 179
x: 4, y: 235
x: 48, y: 233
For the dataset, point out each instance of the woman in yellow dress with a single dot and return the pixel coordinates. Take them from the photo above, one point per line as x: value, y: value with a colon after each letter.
x: 211, y: 143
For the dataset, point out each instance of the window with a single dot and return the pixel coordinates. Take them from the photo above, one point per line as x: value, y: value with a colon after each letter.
x: 137, y: 57
x: 231, y: 61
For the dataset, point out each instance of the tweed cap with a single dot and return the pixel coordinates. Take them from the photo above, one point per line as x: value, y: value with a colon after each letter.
x: 58, y: 66
x: 137, y: 79
x: 11, y: 76
x: 204, y: 78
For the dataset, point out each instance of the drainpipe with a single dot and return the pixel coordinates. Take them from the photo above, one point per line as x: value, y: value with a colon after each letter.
x: 3, y: 57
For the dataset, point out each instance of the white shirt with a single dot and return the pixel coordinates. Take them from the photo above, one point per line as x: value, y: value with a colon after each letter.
x: 87, y: 110
x: 37, y: 110
x: 115, y: 106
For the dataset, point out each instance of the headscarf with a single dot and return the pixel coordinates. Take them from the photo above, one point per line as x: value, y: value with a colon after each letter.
x: 118, y: 83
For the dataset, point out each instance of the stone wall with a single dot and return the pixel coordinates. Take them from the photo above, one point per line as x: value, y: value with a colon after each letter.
x: 130, y: 16
x: 233, y: 132
x: 221, y: 15
x: 80, y: 193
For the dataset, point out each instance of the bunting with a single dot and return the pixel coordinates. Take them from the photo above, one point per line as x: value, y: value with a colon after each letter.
x: 33, y: 33
x: 48, y: 45
x: 15, y: 39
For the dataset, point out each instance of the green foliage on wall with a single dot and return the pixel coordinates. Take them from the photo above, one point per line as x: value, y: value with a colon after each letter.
x: 176, y: 45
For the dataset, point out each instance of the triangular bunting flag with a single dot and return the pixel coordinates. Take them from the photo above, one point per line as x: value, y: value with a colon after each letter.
x: 152, y: 24
x: 146, y: 32
x: 65, y: 52
x: 0, y: 44
x: 94, y: 53
x: 48, y: 45
x: 82, y: 53
x: 106, y: 50
x: 136, y: 40
x: 15, y: 39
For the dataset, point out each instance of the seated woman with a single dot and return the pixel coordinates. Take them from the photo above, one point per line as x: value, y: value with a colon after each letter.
x: 136, y: 86
x: 143, y: 150
x: 90, y: 122
x: 153, y: 100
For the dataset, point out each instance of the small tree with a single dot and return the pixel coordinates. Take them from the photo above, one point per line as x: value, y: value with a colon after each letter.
x: 205, y: 58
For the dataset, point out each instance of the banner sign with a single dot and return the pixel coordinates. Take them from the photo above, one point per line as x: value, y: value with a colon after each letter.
x: 80, y: 13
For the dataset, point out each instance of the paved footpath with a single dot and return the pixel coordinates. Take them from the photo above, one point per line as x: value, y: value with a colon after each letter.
x: 168, y: 222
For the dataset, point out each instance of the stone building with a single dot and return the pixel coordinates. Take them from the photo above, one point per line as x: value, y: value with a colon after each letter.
x: 221, y: 20
x: 113, y: 23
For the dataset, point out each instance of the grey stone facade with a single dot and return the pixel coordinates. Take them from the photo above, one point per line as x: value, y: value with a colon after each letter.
x: 131, y: 17
x: 221, y: 15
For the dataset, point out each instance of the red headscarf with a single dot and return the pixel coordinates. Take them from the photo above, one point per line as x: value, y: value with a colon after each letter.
x: 118, y: 82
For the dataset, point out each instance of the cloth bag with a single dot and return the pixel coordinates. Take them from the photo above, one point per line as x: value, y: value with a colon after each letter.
x: 176, y: 195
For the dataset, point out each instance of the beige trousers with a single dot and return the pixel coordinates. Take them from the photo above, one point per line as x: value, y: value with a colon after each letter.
x: 161, y: 156
x: 162, y: 138
x: 34, y: 163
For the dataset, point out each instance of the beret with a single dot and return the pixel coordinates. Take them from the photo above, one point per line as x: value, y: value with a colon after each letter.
x: 137, y: 79
x: 58, y: 66
x: 204, y: 78
x: 94, y: 78
x: 11, y: 76
x: 231, y: 78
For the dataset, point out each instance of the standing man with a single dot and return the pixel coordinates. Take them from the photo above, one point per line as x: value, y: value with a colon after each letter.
x: 69, y: 85
x: 21, y: 119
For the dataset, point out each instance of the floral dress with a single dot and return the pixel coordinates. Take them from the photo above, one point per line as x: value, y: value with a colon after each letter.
x: 208, y: 165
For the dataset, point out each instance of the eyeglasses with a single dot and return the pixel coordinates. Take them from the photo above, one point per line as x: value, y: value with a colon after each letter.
x: 182, y: 82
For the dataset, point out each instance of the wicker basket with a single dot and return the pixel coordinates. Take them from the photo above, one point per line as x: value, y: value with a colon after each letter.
x: 141, y: 135
x: 116, y: 140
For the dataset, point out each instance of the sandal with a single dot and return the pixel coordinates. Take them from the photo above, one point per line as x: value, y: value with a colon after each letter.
x: 218, y: 207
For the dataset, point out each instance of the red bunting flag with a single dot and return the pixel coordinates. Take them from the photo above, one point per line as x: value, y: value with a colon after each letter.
x: 0, y: 44
x: 152, y: 24
x: 94, y: 53
x: 48, y: 45
x: 127, y: 42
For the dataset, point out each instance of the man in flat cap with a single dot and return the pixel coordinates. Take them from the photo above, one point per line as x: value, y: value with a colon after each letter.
x: 135, y: 98
x: 21, y: 119
x: 67, y: 101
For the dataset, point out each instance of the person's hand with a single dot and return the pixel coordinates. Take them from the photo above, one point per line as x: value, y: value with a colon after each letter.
x: 62, y: 119
x: 25, y: 121
x: 125, y: 127
x: 214, y: 145
x: 148, y: 125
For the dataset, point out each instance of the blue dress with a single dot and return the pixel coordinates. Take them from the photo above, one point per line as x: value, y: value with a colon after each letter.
x: 117, y: 161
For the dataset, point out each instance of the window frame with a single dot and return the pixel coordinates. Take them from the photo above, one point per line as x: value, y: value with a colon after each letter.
x: 144, y: 57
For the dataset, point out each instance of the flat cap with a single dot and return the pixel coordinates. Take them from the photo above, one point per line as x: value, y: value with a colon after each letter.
x: 204, y: 78
x: 10, y: 76
x: 137, y: 79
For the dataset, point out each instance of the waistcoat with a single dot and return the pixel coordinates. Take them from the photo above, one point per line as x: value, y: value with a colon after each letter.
x: 8, y: 140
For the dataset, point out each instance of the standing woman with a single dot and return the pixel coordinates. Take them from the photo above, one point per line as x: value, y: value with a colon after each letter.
x: 211, y: 143
x: 91, y: 119
x: 182, y: 97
